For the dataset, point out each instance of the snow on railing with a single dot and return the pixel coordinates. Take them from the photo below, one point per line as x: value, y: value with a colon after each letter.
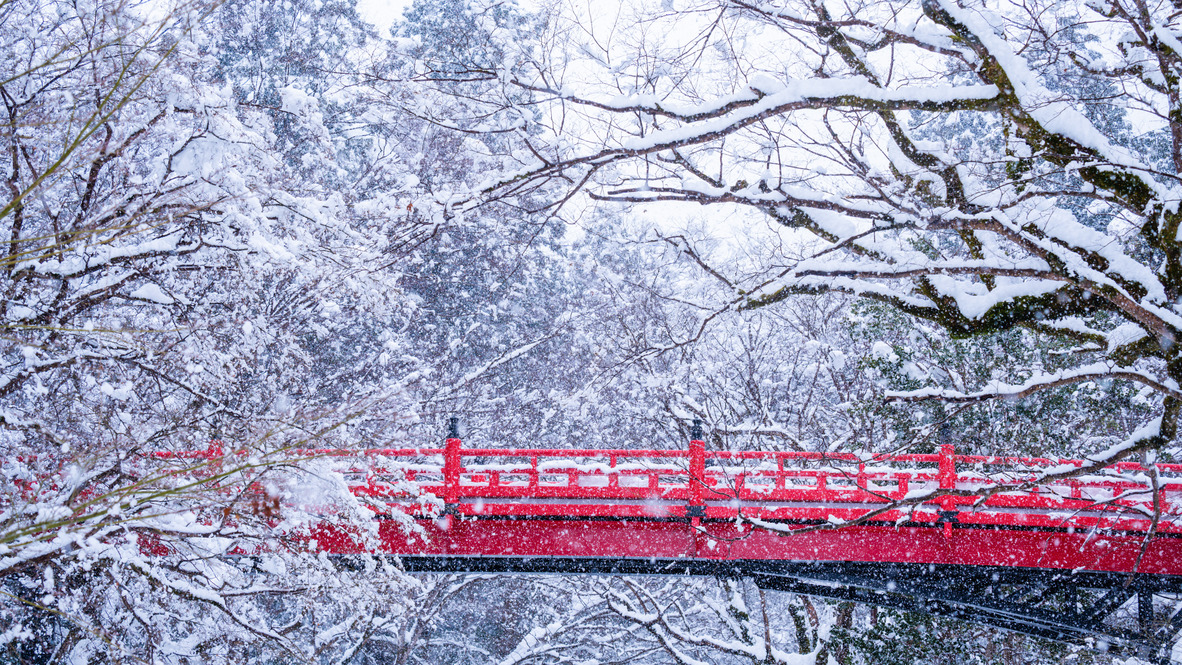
x: 940, y: 488
x: 802, y: 487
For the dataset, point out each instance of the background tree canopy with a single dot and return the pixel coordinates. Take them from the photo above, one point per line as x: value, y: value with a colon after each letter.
x: 991, y: 170
x: 821, y: 226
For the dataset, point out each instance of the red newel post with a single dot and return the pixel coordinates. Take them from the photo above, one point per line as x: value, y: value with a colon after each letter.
x: 452, y: 463
x: 697, y: 466
x: 947, y: 472
x: 947, y: 478
x: 696, y: 509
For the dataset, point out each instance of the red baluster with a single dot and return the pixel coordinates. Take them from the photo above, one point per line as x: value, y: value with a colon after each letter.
x: 947, y: 478
x: 947, y: 471
x: 452, y: 464
x: 697, y: 467
x: 696, y: 473
x: 696, y: 509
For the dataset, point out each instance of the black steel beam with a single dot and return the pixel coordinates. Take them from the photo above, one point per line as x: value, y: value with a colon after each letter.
x: 944, y: 590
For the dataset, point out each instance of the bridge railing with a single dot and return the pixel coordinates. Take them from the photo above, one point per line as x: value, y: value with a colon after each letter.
x: 803, y: 487
x: 790, y: 486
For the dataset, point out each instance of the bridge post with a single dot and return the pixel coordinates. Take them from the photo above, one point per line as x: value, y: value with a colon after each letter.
x: 946, y: 475
x: 697, y: 466
x: 452, y: 463
x: 696, y: 509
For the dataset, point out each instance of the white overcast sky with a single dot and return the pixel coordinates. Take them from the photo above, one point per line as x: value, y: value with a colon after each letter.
x: 382, y: 13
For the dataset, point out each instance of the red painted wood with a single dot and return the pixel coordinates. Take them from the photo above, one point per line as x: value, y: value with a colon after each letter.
x: 452, y: 465
x: 637, y: 503
x: 709, y: 504
x: 663, y: 539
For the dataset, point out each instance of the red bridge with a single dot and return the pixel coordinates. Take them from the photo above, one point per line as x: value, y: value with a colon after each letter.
x: 772, y: 506
x: 1066, y: 549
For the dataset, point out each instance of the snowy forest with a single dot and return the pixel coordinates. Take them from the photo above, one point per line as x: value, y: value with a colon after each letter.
x: 814, y: 225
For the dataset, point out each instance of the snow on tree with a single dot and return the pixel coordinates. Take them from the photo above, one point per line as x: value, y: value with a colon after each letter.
x: 1003, y: 175
x: 261, y: 221
x: 985, y: 168
x: 169, y: 281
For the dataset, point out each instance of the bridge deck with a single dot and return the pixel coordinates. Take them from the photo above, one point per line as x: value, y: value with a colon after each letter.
x: 710, y: 540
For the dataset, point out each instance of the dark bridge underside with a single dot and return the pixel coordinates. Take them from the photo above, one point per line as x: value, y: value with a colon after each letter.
x: 1064, y: 584
x: 1112, y: 612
